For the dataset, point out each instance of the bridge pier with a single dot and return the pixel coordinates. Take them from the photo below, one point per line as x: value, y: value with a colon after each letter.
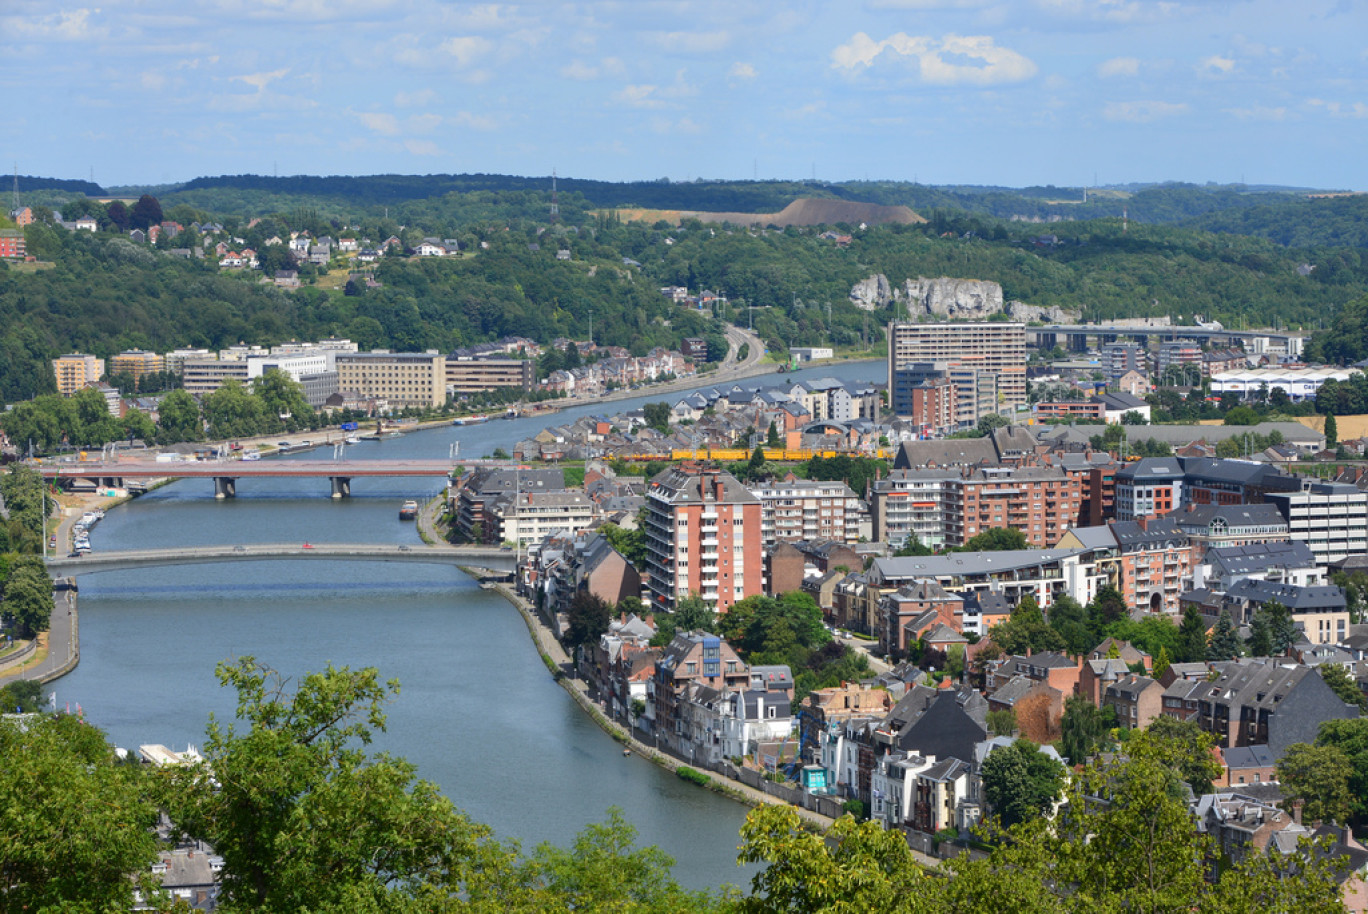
x: 225, y: 487
x: 341, y: 486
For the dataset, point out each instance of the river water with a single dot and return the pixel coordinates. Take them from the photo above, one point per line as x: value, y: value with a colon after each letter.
x: 477, y: 712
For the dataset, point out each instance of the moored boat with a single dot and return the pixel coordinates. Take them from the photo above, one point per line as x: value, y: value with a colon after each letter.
x: 409, y: 510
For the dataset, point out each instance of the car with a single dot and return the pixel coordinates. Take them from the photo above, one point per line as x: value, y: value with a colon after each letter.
x: 239, y: 548
x: 405, y: 549
x: 52, y: 542
x: 75, y: 554
x: 282, y: 444
x: 308, y: 545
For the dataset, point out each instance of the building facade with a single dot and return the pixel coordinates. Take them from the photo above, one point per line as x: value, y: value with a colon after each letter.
x: 402, y: 378
x: 75, y: 371
x: 994, y: 349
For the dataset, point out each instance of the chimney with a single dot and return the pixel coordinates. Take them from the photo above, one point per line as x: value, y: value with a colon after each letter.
x: 718, y: 486
x: 1143, y: 522
x: 1297, y: 810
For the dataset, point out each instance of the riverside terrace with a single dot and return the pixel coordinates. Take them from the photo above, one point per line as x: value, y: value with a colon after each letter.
x: 226, y: 473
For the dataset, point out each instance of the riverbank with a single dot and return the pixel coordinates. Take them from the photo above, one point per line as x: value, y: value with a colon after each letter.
x: 559, y: 663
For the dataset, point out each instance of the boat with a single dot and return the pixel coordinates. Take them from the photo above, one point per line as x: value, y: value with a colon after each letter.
x: 408, y: 510
x: 351, y: 439
x: 469, y: 420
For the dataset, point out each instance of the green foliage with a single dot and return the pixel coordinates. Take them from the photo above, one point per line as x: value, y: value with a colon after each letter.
x: 1225, y: 642
x: 1026, y: 629
x: 1083, y: 729
x: 631, y: 543
x: 1002, y: 722
x: 178, y: 419
x: 657, y: 416
x: 28, y: 595
x: 1319, y: 777
x: 1351, y: 738
x: 74, y: 824
x: 22, y: 491
x: 1271, y: 631
x: 996, y: 539
x: 1162, y: 662
x: 1192, y: 637
x: 302, y: 815
x: 1020, y: 782
x: 1342, y: 684
x: 1183, y: 747
x: 23, y: 696
x: 693, y: 776
x: 1331, y: 430
x: 856, y: 472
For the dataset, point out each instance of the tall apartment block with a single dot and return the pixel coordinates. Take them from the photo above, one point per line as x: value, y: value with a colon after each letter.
x: 75, y: 371
x: 703, y: 535
x: 995, y: 350
x: 808, y: 509
x: 136, y: 362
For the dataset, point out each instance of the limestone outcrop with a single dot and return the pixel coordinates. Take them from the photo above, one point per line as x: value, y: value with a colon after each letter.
x: 950, y: 298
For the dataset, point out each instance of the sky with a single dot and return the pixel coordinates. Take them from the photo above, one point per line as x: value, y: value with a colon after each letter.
x: 1022, y: 92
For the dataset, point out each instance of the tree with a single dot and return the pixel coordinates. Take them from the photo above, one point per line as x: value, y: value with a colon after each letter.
x: 772, y: 436
x: 75, y: 824
x: 1350, y: 736
x: 1108, y: 607
x: 282, y: 401
x: 145, y: 213
x: 1133, y: 417
x: 178, y: 419
x: 1162, y: 662
x: 1182, y: 746
x: 1331, y: 430
x: 996, y: 539
x: 912, y: 547
x: 1272, y: 630
x: 117, y: 214
x: 692, y: 614
x: 25, y: 696
x: 28, y: 596
x: 1225, y: 643
x: 630, y: 543
x: 1083, y: 729
x: 233, y: 411
x: 1192, y: 637
x: 1343, y: 685
x: 657, y: 416
x: 1319, y: 777
x: 1002, y: 722
x: 302, y: 815
x: 586, y: 619
x: 1020, y: 782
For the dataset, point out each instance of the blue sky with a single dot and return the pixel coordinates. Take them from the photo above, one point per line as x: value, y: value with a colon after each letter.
x: 940, y: 91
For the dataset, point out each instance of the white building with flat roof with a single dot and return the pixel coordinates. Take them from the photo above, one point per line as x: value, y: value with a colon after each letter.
x: 1297, y: 383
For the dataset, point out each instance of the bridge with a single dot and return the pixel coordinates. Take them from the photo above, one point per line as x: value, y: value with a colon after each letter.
x: 226, y: 473
x: 1077, y: 336
x: 491, y: 557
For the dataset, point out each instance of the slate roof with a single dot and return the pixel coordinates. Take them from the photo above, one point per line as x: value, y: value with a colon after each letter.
x: 1314, y: 598
x: 1257, y: 558
x: 1262, y: 515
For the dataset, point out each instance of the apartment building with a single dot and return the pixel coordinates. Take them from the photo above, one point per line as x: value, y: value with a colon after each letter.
x: 1329, y: 517
x: 692, y: 659
x: 530, y: 517
x: 807, y: 509
x: 1149, y: 487
x: 703, y: 535
x: 75, y: 371
x: 1042, y: 502
x: 402, y: 378
x: 995, y: 349
x: 13, y: 245
x: 137, y: 362
x: 1119, y: 358
x: 910, y: 502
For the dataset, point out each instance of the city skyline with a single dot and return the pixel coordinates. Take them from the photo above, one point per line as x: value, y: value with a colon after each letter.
x: 1064, y: 92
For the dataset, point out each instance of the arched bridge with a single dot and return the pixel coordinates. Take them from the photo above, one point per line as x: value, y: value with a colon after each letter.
x: 93, y: 562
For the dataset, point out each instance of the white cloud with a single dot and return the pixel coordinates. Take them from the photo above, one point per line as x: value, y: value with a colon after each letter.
x: 416, y: 99
x: 423, y: 123
x: 66, y: 25
x: 474, y: 121
x: 380, y: 122
x: 954, y: 60
x: 578, y: 69
x: 927, y: 4
x: 1337, y: 109
x: 1215, y: 64
x: 741, y: 70
x: 260, y: 81
x: 691, y: 42
x: 683, y: 125
x: 1258, y: 113
x: 1119, y: 66
x: 422, y: 147
x: 152, y: 80
x: 638, y: 96
x: 1142, y: 112
x: 465, y: 49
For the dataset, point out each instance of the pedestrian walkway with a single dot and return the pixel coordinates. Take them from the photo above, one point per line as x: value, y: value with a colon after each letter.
x: 62, y: 644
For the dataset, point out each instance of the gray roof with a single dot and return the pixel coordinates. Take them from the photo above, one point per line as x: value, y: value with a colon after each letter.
x: 1262, y: 515
x: 1180, y: 435
x: 1260, y: 557
x: 1314, y: 598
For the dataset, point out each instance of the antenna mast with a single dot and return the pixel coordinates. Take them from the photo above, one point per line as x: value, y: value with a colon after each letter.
x: 16, y: 187
x: 555, y: 206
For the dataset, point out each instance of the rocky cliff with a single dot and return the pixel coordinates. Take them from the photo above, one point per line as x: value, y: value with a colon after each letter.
x: 956, y: 299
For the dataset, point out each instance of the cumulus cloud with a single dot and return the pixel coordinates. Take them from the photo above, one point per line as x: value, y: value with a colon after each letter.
x: 466, y: 48
x: 260, y: 81
x: 415, y: 99
x: 382, y: 123
x: 1215, y: 64
x: 741, y: 70
x: 422, y: 147
x: 578, y: 69
x: 691, y: 42
x: 1142, y: 112
x: 955, y: 60
x: 641, y: 96
x: 1258, y: 113
x: 683, y: 125
x: 66, y: 25
x: 473, y: 121
x: 1337, y: 109
x: 1119, y: 66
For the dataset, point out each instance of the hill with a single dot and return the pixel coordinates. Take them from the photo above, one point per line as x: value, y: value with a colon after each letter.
x: 809, y: 212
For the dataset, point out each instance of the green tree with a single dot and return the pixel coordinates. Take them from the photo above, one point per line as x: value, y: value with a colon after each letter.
x: 657, y: 416
x: 630, y: 543
x: 1343, y: 685
x: 28, y: 596
x: 303, y: 816
x: 1182, y: 746
x: 75, y: 824
x: 1162, y: 662
x: 996, y: 539
x: 1107, y: 608
x: 1331, y: 430
x: 1225, y: 643
x: 233, y: 411
x: 1319, y: 777
x: 1274, y: 630
x: 282, y: 401
x: 772, y: 436
x: 178, y: 419
x: 1020, y: 782
x: 1083, y: 729
x: 25, y: 696
x: 1350, y: 736
x: 1192, y: 637
x: 1002, y: 722
x: 693, y: 614
x: 913, y: 547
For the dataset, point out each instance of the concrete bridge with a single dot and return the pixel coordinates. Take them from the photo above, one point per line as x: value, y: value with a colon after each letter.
x: 1082, y: 337
x: 226, y: 473
x: 494, y: 558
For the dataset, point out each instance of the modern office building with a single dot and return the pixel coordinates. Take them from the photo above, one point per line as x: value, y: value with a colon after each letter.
x: 204, y: 376
x: 465, y: 376
x: 1329, y: 517
x: 401, y: 378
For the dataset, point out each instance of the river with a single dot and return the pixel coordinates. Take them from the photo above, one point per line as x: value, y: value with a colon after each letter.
x: 477, y: 712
